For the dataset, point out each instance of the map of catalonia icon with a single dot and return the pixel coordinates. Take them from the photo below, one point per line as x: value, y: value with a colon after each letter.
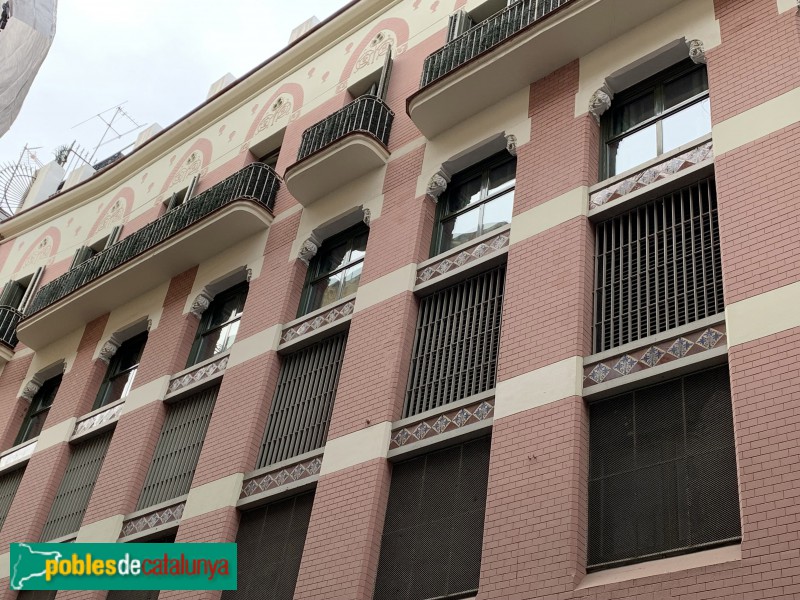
x: 29, y: 564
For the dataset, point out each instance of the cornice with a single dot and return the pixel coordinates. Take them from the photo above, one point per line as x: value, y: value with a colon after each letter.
x: 270, y: 72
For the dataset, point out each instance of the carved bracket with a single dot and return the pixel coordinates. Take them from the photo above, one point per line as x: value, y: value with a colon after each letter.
x: 200, y: 304
x: 108, y: 350
x: 600, y: 102
x: 511, y: 144
x: 30, y: 389
x: 308, y: 250
x: 696, y: 51
x: 437, y: 185
x: 367, y: 217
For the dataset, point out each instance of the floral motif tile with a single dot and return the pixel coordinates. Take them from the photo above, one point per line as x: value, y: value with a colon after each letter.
x: 274, y: 479
x: 162, y: 516
x: 461, y: 256
x: 98, y: 420
x: 439, y: 424
x: 334, y: 314
x: 197, y: 375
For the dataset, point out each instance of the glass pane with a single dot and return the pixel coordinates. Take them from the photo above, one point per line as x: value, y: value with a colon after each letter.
x: 334, y: 258
x: 687, y: 125
x: 226, y: 310
x: 497, y: 213
x: 325, y: 291
x: 502, y: 177
x: 35, y: 426
x: 634, y: 112
x: 459, y: 230
x: 351, y: 277
x: 685, y: 87
x: 632, y: 150
x: 359, y: 248
x: 217, y: 341
x: 119, y: 387
x: 464, y: 195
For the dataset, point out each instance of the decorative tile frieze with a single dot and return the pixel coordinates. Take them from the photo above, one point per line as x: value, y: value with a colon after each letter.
x: 204, y: 372
x: 17, y: 456
x: 162, y: 516
x: 312, y: 324
x: 648, y: 357
x: 274, y: 479
x: 694, y: 156
x: 461, y: 256
x: 98, y: 420
x: 442, y: 423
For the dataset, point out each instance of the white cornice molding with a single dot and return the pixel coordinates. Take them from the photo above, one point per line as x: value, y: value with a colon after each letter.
x: 268, y: 74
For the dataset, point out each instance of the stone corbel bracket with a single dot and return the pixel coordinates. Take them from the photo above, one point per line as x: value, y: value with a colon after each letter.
x: 437, y: 185
x: 309, y: 249
x: 30, y: 389
x: 201, y: 303
x: 511, y: 144
x: 108, y: 350
x: 600, y: 102
x: 697, y: 51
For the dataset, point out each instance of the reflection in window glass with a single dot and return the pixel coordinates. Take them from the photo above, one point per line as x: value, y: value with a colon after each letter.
x: 219, y: 325
x: 121, y: 371
x: 336, y: 269
x: 661, y: 114
x: 489, y: 188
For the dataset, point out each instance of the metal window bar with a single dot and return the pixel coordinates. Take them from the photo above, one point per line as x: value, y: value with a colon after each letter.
x: 9, y: 319
x: 178, y: 449
x: 9, y: 483
x: 433, y: 531
x: 456, y: 343
x: 303, y: 403
x: 662, y: 471
x: 76, y: 487
x: 270, y: 541
x: 256, y: 181
x: 368, y: 114
x: 485, y: 35
x: 657, y: 267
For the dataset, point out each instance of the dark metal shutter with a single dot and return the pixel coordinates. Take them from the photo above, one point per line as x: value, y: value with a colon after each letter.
x: 133, y: 595
x: 8, y: 489
x: 433, y: 532
x: 301, y: 410
x: 662, y: 471
x: 456, y: 343
x: 178, y: 448
x: 76, y: 487
x: 37, y: 595
x: 657, y: 267
x: 270, y: 545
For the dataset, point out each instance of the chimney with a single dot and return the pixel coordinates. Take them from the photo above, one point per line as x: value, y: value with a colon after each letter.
x: 146, y: 134
x: 303, y: 28
x: 220, y: 84
x: 44, y: 185
x: 82, y: 173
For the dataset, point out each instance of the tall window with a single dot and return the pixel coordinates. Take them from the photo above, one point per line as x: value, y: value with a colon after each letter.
x: 84, y: 253
x: 657, y: 267
x: 660, y: 114
x: 662, y: 471
x: 220, y: 322
x: 37, y: 411
x: 121, y: 371
x: 336, y: 269
x: 477, y: 201
x: 433, y: 531
x: 18, y: 294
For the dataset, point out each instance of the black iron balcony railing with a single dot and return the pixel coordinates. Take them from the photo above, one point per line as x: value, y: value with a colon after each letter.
x: 256, y: 181
x: 369, y: 114
x: 485, y: 35
x: 9, y: 317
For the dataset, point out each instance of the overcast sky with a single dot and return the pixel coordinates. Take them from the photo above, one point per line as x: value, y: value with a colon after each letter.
x: 160, y: 56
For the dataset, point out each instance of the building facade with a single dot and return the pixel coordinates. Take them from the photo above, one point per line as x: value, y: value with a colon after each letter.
x: 446, y: 300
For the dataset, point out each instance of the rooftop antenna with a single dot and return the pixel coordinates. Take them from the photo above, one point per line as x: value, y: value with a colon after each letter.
x: 114, y: 118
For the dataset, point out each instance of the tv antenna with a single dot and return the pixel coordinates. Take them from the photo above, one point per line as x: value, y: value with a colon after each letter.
x: 114, y: 118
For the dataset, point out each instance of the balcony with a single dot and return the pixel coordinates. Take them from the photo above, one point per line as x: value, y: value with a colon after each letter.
x: 345, y: 146
x: 513, y: 48
x: 201, y: 228
x: 9, y: 318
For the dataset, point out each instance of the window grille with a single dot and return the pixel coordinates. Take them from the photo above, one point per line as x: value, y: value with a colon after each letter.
x: 76, y: 487
x: 9, y: 483
x: 456, y: 342
x: 270, y: 543
x: 301, y: 409
x: 657, y: 267
x: 662, y: 471
x: 433, y: 532
x: 178, y: 448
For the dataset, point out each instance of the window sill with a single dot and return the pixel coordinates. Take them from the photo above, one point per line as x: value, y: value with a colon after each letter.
x: 312, y: 326
x: 685, y: 562
x: 18, y: 454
